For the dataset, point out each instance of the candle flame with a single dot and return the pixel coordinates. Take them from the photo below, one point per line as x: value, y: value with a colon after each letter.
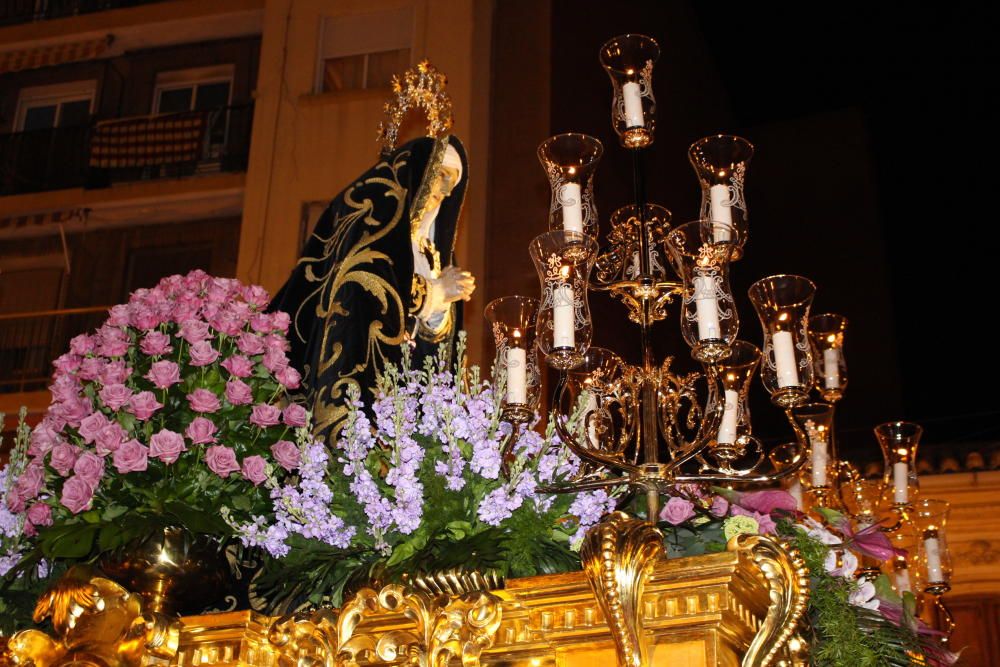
x: 516, y: 333
x: 564, y: 271
x: 832, y: 338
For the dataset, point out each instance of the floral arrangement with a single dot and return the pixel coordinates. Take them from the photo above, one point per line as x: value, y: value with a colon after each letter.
x: 175, y: 412
x: 852, y: 620
x: 417, y: 482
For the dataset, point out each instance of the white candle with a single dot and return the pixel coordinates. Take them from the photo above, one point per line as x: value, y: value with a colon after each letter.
x: 900, y: 482
x: 572, y: 207
x: 784, y: 359
x: 564, y: 316
x: 707, y: 308
x: 720, y: 212
x: 517, y: 375
x: 795, y: 490
x: 730, y: 418
x: 831, y: 368
x: 591, y: 423
x: 820, y: 457
x: 932, y: 549
x: 633, y: 105
x: 903, y: 584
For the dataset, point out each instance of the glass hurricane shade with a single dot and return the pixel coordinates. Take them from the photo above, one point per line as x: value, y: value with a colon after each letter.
x: 512, y: 319
x: 782, y: 303
x: 735, y: 373
x: 629, y: 60
x: 899, y: 442
x: 814, y: 422
x: 570, y: 161
x: 826, y: 332
x: 931, y: 517
x: 720, y: 163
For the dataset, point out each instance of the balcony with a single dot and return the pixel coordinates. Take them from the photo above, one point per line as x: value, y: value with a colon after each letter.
x: 30, y: 341
x: 122, y: 150
x: 13, y: 12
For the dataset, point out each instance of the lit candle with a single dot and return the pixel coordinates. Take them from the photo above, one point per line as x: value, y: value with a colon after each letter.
x: 932, y: 549
x: 572, y: 207
x: 564, y: 316
x: 730, y: 418
x: 784, y: 359
x: 721, y: 212
x: 591, y: 423
x: 901, y: 482
x: 903, y: 584
x: 831, y: 368
x: 820, y: 457
x: 795, y: 491
x: 707, y: 308
x: 632, y: 95
x: 517, y: 372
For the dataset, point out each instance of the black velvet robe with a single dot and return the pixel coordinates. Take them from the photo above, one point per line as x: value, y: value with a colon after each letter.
x: 353, y: 295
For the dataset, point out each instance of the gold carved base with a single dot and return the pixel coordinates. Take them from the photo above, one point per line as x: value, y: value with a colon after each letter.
x: 740, y: 607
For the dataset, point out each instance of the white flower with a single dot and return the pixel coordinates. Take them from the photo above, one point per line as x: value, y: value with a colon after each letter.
x: 841, y: 563
x: 816, y: 531
x: 864, y: 596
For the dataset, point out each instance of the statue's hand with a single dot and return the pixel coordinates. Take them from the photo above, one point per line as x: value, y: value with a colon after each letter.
x: 457, y: 284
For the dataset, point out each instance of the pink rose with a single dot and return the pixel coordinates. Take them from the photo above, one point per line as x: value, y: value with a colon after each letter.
x: 765, y: 524
x: 227, y: 322
x: 238, y: 392
x: 65, y: 388
x: 203, y: 354
x: 719, y: 508
x: 238, y: 365
x: 43, y: 439
x: 194, y: 331
x: 91, y: 368
x: 91, y: 425
x: 255, y: 469
x: 118, y: 316
x: 156, y: 343
x: 288, y: 377
x: 63, y: 457
x: 249, y: 343
x: 30, y: 483
x: 67, y: 363
x: 74, y: 411
x: 40, y: 514
x: 132, y: 456
x: 280, y: 321
x: 90, y: 468
x: 113, y: 342
x: 276, y: 342
x: 204, y: 400
x: 144, y: 318
x: 221, y: 460
x: 15, y: 503
x: 275, y: 360
x: 76, y: 494
x: 115, y: 372
x: 143, y: 405
x: 677, y: 511
x: 294, y: 415
x: 265, y: 415
x: 163, y: 374
x: 166, y: 446
x: 201, y: 431
x: 261, y: 323
x: 286, y: 454
x: 767, y: 501
x: 82, y: 345
x: 256, y: 296
x: 109, y: 439
x: 115, y: 395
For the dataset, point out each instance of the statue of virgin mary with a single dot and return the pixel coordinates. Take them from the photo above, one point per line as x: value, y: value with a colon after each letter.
x: 378, y: 273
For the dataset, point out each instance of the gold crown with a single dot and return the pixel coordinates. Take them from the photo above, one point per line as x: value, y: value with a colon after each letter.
x: 421, y: 88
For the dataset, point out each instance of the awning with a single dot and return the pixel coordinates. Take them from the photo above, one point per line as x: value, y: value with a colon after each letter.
x: 53, y: 54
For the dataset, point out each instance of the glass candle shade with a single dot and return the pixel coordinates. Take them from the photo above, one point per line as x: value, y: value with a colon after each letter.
x: 782, y: 304
x: 563, y: 327
x: 709, y: 321
x: 570, y: 161
x: 735, y: 373
x: 862, y: 498
x: 899, y: 442
x: 783, y: 457
x: 930, y: 517
x: 902, y: 569
x: 629, y: 60
x: 827, y: 335
x: 598, y: 377
x: 720, y: 161
x: 516, y: 367
x: 814, y: 422
x: 620, y: 259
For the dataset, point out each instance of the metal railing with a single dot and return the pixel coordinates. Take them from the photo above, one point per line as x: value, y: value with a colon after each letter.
x: 25, y: 11
x: 30, y: 341
x: 59, y: 158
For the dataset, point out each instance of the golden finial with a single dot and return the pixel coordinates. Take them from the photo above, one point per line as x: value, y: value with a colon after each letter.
x: 421, y: 87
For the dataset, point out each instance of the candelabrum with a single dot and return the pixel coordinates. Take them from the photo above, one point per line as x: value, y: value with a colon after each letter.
x: 647, y: 427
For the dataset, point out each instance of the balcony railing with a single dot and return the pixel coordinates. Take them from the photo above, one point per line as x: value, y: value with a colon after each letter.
x: 129, y: 149
x: 26, y: 11
x: 30, y: 341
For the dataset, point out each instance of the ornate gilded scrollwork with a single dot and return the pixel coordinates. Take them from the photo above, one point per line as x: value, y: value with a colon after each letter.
x: 788, y: 589
x: 618, y: 555
x: 443, y: 628
x: 96, y: 622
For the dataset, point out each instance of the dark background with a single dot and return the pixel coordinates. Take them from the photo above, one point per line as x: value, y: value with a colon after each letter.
x: 873, y: 176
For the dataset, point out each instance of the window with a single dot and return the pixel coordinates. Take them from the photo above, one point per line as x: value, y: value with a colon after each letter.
x: 364, y: 51
x: 207, y: 89
x: 60, y: 105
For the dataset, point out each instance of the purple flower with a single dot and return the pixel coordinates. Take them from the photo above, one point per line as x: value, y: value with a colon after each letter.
x: 677, y: 511
x: 719, y: 508
x: 767, y: 501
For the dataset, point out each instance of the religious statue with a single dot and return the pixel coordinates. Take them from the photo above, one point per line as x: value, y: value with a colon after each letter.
x: 378, y: 272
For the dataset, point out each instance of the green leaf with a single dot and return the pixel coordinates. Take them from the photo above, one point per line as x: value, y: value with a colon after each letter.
x: 833, y: 517
x: 240, y: 502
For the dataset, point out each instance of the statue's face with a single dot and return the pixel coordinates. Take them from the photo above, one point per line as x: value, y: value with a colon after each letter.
x: 442, y: 186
